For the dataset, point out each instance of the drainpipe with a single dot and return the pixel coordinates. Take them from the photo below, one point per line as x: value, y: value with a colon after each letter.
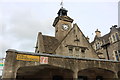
x: 107, y: 52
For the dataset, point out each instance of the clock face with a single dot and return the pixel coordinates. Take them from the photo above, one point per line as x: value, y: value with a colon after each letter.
x: 65, y: 26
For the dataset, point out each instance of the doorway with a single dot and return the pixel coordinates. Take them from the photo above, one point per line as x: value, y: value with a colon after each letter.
x: 99, y: 78
x: 82, y: 78
x: 57, y: 78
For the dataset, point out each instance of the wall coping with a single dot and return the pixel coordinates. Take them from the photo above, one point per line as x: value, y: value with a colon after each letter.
x: 59, y: 56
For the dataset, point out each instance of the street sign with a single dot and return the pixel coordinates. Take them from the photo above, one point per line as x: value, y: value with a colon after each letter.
x: 43, y: 60
x: 1, y: 64
x: 24, y: 57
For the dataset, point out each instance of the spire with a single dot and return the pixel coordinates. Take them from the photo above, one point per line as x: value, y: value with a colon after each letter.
x: 98, y: 33
x: 61, y: 3
x: 62, y: 11
x: 62, y: 15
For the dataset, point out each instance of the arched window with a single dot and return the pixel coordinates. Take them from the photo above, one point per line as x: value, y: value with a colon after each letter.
x: 116, y: 55
x: 98, y: 45
x: 117, y: 37
x: 113, y: 38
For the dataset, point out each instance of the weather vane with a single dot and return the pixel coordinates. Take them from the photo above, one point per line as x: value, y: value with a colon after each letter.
x: 61, y: 3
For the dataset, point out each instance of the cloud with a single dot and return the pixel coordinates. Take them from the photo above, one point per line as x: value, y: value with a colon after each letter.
x: 25, y: 24
x: 4, y: 44
x: 59, y: 0
x: 20, y: 29
x: 21, y: 22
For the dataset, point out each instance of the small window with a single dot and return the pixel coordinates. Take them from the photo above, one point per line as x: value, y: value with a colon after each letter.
x: 98, y: 45
x: 70, y: 50
x: 83, y: 50
x: 117, y: 37
x: 113, y: 38
x: 116, y: 55
x: 110, y: 39
x: 119, y: 52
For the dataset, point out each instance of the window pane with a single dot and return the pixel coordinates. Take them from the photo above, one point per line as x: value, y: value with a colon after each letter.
x: 117, y: 56
x: 70, y: 50
x: 119, y: 52
x: 113, y: 38
x: 117, y: 37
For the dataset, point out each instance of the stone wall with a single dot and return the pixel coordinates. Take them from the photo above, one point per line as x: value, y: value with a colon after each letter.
x: 74, y: 65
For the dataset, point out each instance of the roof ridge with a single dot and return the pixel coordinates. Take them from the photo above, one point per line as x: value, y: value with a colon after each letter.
x: 105, y: 35
x: 48, y: 36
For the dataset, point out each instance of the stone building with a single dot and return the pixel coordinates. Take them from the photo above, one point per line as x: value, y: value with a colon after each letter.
x: 67, y: 56
x: 108, y: 46
x: 68, y: 38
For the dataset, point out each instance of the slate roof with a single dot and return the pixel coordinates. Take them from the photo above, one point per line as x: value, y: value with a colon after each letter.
x: 64, y: 18
x: 50, y: 43
x: 119, y: 29
x: 105, y: 37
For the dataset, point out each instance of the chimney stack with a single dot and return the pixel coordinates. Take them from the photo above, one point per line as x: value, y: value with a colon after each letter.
x: 98, y: 33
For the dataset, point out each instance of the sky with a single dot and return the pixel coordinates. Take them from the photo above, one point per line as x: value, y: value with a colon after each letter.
x: 119, y: 13
x: 21, y: 20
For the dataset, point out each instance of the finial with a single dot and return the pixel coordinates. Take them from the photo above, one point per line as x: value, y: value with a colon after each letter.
x: 61, y: 3
x: 97, y: 31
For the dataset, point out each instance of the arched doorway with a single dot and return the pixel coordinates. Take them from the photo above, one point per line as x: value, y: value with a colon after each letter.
x: 95, y: 74
x: 44, y: 72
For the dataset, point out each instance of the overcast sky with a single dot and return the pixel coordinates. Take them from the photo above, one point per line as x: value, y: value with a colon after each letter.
x: 21, y: 20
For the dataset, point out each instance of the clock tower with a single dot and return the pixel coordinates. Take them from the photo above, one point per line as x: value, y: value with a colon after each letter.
x: 62, y: 24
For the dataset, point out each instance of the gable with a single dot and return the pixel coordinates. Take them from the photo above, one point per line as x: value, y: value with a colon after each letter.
x: 76, y: 40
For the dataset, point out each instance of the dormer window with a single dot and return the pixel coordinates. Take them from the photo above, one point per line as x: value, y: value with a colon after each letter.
x: 98, y: 45
x: 117, y: 36
x: 117, y: 55
x: 114, y: 37
x: 110, y: 39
